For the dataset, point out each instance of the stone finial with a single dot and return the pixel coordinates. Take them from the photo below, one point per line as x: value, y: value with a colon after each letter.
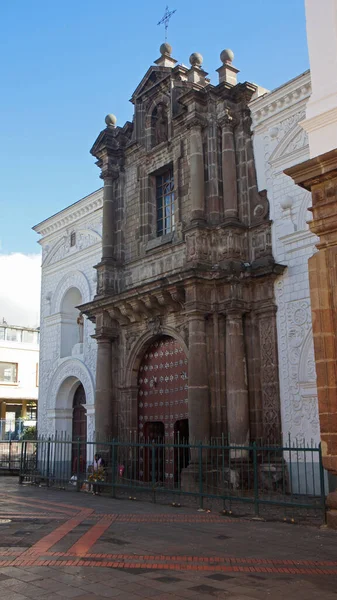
x: 196, y: 59
x: 227, y: 56
x: 110, y: 120
x: 165, y: 59
x: 227, y: 73
x: 196, y: 73
x: 165, y: 48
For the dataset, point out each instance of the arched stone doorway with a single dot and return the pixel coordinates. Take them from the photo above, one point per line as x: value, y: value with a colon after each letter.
x: 163, y: 407
x: 79, y: 431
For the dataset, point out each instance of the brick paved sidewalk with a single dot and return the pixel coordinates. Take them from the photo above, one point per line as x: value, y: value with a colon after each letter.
x: 66, y: 545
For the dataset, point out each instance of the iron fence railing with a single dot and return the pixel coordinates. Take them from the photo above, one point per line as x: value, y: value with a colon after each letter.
x: 254, y: 476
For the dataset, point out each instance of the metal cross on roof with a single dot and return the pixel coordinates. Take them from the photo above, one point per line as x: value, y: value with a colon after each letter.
x: 166, y: 19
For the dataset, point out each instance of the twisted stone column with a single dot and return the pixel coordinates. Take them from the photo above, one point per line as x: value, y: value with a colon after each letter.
x: 236, y: 383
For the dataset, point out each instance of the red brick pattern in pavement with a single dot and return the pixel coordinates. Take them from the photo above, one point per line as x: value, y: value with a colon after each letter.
x: 41, y: 555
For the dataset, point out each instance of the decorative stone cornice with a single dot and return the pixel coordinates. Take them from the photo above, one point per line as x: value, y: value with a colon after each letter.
x: 276, y: 101
x: 195, y: 121
x: 72, y: 214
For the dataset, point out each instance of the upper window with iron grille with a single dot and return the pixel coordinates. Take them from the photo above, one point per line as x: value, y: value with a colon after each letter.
x: 165, y: 202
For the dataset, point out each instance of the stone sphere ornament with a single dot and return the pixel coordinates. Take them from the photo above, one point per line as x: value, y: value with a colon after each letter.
x: 111, y: 120
x: 227, y: 56
x: 165, y: 49
x: 196, y: 59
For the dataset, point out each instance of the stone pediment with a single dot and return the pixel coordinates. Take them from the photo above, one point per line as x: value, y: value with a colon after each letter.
x: 62, y: 249
x: 153, y: 77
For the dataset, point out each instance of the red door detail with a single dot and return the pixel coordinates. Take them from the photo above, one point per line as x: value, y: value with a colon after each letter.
x: 162, y: 403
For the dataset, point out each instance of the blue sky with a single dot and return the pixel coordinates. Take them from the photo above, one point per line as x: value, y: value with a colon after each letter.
x: 66, y: 64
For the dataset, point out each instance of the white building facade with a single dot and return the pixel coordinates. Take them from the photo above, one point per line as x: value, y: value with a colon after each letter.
x: 19, y: 369
x: 71, y: 245
x: 280, y: 142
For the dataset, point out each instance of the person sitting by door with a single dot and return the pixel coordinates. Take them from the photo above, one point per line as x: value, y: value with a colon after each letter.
x: 97, y: 466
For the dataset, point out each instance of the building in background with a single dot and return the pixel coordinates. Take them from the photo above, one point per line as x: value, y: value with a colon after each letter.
x: 19, y: 379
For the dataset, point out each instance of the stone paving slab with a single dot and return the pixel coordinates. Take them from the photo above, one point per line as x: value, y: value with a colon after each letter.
x: 96, y: 547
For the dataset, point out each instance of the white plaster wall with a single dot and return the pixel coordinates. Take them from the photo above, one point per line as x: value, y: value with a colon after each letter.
x: 65, y: 267
x: 27, y: 357
x: 321, y: 118
x: 280, y: 142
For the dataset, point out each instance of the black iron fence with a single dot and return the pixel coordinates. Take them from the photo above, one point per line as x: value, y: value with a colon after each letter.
x: 240, y: 479
x: 10, y: 454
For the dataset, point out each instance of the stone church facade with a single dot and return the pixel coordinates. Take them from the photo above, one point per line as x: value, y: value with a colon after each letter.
x: 184, y: 311
x: 190, y: 319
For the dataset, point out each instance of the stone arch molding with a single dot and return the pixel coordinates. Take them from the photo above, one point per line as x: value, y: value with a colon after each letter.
x: 303, y: 216
x: 136, y: 353
x: 293, y: 140
x: 75, y: 279
x: 70, y: 369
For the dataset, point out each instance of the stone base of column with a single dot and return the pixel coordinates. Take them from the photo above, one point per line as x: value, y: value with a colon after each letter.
x: 236, y: 475
x: 331, y: 515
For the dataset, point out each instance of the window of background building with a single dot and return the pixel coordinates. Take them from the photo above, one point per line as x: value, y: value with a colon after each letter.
x: 28, y: 337
x: 165, y: 202
x: 37, y: 375
x: 13, y: 335
x: 8, y: 372
x: 73, y: 238
x: 2, y: 333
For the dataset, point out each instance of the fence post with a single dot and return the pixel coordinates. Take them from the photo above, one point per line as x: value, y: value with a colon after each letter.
x: 48, y: 461
x: 256, y: 481
x: 113, y: 474
x: 201, y: 497
x: 78, y: 487
x: 153, y: 456
x: 9, y: 454
x: 21, y: 472
x: 321, y: 479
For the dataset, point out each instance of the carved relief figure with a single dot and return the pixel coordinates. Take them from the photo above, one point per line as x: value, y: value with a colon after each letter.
x: 160, y: 125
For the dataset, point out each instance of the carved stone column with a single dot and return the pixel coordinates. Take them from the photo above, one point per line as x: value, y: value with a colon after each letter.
x: 108, y: 237
x: 198, y: 389
x: 236, y: 382
x: 230, y: 193
x: 269, y: 378
x: 197, y: 172
x: 106, y: 408
x: 109, y: 150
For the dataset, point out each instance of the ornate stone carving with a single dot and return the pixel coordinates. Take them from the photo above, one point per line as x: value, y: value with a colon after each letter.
x: 160, y: 124
x: 62, y: 248
x: 269, y: 380
x: 198, y: 246
x: 297, y: 369
x: 155, y: 325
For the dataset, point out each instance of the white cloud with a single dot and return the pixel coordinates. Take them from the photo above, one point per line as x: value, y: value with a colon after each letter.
x: 20, y: 283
